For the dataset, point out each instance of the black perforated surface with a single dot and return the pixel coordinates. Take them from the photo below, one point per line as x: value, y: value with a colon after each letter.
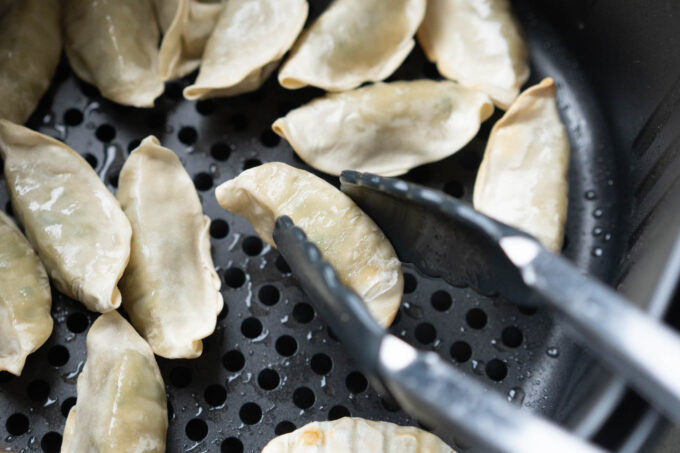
x: 271, y: 365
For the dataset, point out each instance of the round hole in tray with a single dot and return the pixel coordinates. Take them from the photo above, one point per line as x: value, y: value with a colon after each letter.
x: 203, y: 181
x: 252, y: 245
x: 205, y: 107
x: 77, y: 322
x: 196, y: 429
x: 410, y: 283
x: 528, y: 311
x: 251, y: 328
x: 105, y: 133
x: 476, y: 318
x: 38, y: 391
x: 461, y: 351
x: 67, y: 405
x: 303, y: 397
x: 57, y: 355
x: 238, y: 122
x: 156, y: 119
x: 234, y: 277
x: 187, y: 135
x: 337, y: 412
x: 250, y: 413
x: 269, y: 138
x: 268, y: 379
x: 512, y: 336
x: 281, y: 265
x: 17, y: 424
x: 303, y: 313
x: 225, y: 311
x: 219, y: 229
x: 220, y: 151
x: 440, y: 300
x: 356, y: 382
x: 496, y: 370
x: 321, y: 364
x: 73, y: 117
x: 269, y: 295
x: 51, y: 442
x: 233, y: 361
x: 286, y: 345
x: 180, y: 376
x: 231, y: 445
x: 91, y: 159
x: 284, y: 427
x: 251, y: 163
x: 215, y: 395
x: 425, y: 333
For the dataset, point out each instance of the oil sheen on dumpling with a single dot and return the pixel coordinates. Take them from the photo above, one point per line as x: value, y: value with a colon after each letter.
x: 121, y: 406
x: 72, y: 220
x: 113, y: 44
x: 186, y: 35
x: 30, y: 46
x: 347, y: 238
x: 247, y: 44
x: 477, y: 43
x: 522, y: 180
x: 357, y: 435
x: 170, y: 288
x: 25, y: 299
x: 352, y: 42
x: 385, y: 128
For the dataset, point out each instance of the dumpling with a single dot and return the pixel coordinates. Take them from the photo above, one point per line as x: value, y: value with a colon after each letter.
x: 352, y: 42
x: 522, y: 180
x: 121, y: 404
x: 25, y: 299
x: 247, y: 44
x: 385, y: 128
x: 114, y: 46
x: 186, y: 34
x: 170, y: 288
x: 73, y: 222
x: 166, y: 11
x: 30, y: 46
x: 347, y: 238
x: 356, y: 435
x: 477, y: 43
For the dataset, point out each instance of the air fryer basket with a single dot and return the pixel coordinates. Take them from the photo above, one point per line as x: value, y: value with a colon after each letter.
x: 272, y: 365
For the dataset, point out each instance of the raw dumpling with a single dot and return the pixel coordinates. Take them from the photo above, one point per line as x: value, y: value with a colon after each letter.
x: 347, y: 238
x: 30, y: 46
x: 522, y: 180
x: 72, y: 220
x: 166, y: 11
x: 356, y: 435
x: 249, y: 39
x: 352, y: 42
x: 186, y: 34
x: 121, y: 404
x: 170, y: 288
x: 25, y: 299
x: 477, y: 43
x: 386, y: 128
x: 113, y: 44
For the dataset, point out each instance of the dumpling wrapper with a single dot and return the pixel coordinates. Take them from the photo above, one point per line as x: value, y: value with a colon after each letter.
x: 357, y: 435
x: 121, y: 404
x: 249, y: 40
x: 71, y: 219
x: 113, y: 44
x: 477, y: 43
x: 385, y: 128
x: 352, y: 42
x: 522, y: 180
x: 30, y: 46
x: 166, y: 11
x: 186, y: 35
x: 347, y: 238
x: 170, y: 288
x: 25, y: 299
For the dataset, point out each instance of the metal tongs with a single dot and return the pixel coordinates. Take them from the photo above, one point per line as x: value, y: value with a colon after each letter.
x: 447, y: 238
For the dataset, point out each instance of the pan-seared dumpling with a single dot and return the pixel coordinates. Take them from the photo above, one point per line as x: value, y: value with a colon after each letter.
x: 25, y: 299
x: 247, y: 44
x: 477, y: 43
x: 345, y: 235
x: 113, y: 44
x: 73, y: 222
x: 356, y: 435
x: 186, y: 35
x: 385, y: 128
x: 30, y: 45
x: 170, y: 288
x: 352, y: 42
x: 121, y: 404
x: 522, y: 180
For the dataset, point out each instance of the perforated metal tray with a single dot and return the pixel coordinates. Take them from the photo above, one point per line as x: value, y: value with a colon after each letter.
x: 271, y: 365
